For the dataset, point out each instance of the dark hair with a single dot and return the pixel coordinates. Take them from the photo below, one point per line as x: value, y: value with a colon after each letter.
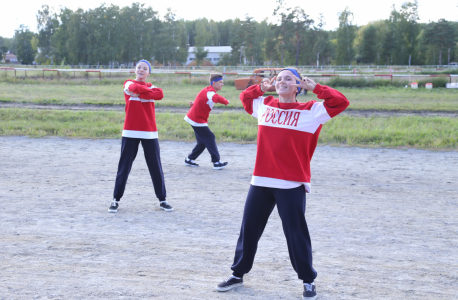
x: 215, y: 76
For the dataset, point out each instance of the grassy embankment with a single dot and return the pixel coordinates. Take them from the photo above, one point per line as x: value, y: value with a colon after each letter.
x: 382, y: 98
x: 419, y: 132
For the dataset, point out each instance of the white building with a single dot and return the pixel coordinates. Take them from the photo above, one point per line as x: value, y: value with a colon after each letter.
x: 213, y: 56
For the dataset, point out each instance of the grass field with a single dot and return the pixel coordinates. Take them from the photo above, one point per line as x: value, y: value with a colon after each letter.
x: 382, y: 98
x: 396, y: 131
x: 406, y: 131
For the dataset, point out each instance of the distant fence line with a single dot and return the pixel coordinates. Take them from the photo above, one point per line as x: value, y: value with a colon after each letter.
x: 394, y: 68
x: 311, y: 73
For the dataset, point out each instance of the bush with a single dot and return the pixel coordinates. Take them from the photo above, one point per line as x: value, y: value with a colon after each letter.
x: 360, y: 82
x: 453, y: 71
x: 436, y: 81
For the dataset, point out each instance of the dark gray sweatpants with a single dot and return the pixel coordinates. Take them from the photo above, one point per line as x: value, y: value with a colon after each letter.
x: 291, y: 207
x: 129, y: 149
x: 205, y: 139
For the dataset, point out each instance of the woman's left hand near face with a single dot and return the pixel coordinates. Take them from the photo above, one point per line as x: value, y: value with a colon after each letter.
x: 305, y: 83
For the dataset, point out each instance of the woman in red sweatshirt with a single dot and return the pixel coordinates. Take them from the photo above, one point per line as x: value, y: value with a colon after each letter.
x: 287, y: 137
x: 140, y: 126
x: 197, y: 117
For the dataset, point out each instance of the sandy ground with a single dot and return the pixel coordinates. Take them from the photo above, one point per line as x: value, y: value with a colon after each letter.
x: 217, y: 110
x: 383, y: 223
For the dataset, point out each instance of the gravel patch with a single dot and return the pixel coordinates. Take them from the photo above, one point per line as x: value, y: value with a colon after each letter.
x: 383, y: 224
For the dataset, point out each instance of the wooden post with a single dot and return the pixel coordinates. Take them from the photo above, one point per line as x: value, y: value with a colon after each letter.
x: 15, y: 74
x: 25, y: 72
x: 58, y: 76
x: 43, y: 73
x: 100, y: 76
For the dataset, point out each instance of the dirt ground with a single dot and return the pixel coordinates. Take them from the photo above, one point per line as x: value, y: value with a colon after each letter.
x: 383, y: 224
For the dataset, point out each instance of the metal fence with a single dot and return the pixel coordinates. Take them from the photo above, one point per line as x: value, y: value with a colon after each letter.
x: 220, y: 68
x: 36, y: 72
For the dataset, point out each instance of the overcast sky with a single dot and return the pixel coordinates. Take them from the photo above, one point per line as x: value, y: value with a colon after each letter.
x: 13, y: 13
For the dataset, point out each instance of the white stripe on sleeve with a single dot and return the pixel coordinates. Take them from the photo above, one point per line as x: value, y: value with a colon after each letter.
x: 256, y: 105
x: 210, y: 101
x: 126, y: 89
x: 320, y: 113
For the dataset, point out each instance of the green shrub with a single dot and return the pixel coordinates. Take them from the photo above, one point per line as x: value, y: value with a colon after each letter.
x: 360, y: 82
x: 453, y: 71
x: 436, y: 81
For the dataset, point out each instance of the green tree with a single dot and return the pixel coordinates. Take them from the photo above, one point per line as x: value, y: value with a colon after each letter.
x: 172, y: 47
x: 182, y: 41
x: 204, y: 35
x: 300, y: 25
x: 70, y: 38
x: 410, y: 29
x: 47, y: 24
x: 225, y: 31
x: 3, y: 48
x: 167, y: 48
x: 368, y: 50
x: 392, y: 39
x: 3, y: 51
x: 271, y: 47
x: 225, y: 60
x: 24, y: 50
x: 345, y: 37
x: 322, y: 46
x: 441, y: 34
x: 283, y: 27
x: 200, y: 54
x: 237, y: 42
x: 139, y: 34
x: 250, y: 40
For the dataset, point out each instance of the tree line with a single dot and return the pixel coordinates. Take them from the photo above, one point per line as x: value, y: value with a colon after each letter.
x: 113, y: 35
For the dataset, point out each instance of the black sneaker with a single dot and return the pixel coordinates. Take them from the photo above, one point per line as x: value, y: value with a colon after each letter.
x: 309, y: 291
x: 165, y: 206
x: 114, y: 206
x: 190, y: 162
x: 219, y: 165
x: 230, y: 283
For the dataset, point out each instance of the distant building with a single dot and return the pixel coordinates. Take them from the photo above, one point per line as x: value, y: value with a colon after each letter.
x: 11, y: 58
x: 213, y: 56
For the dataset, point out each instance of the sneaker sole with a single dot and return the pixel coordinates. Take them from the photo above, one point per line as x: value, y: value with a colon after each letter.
x: 309, y: 298
x: 219, y: 168
x: 112, y: 210
x: 166, y: 209
x: 225, y: 289
x: 186, y: 164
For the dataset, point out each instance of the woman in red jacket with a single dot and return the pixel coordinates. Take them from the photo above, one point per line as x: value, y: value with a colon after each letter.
x: 287, y: 137
x: 140, y: 126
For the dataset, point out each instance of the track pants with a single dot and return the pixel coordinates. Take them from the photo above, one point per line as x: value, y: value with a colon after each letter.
x: 205, y: 139
x: 129, y: 149
x: 291, y: 207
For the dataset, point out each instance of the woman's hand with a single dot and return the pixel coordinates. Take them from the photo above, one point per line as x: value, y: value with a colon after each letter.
x: 191, y: 103
x: 267, y: 83
x: 305, y: 83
